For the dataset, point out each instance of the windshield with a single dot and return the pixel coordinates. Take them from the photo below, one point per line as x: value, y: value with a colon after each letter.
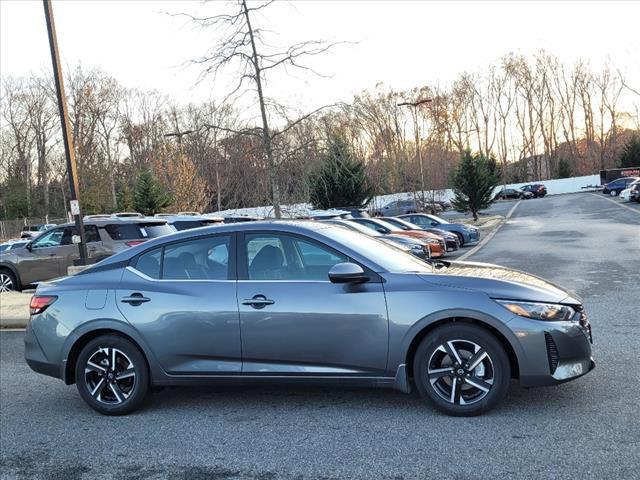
x: 390, y: 226
x: 437, y: 219
x: 389, y: 258
x: 358, y: 227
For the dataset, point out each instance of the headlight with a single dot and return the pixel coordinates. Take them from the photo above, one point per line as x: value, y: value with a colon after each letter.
x: 539, y: 311
x: 432, y: 241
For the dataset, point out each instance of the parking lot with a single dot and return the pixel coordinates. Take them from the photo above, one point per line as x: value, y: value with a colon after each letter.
x: 589, y: 428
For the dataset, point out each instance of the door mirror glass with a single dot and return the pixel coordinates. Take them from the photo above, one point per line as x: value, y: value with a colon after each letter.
x: 347, y: 273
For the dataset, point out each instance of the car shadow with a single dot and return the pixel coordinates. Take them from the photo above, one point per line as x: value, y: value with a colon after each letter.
x: 282, y: 399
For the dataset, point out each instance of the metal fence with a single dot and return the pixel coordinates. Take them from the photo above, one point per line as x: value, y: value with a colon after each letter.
x: 12, y: 228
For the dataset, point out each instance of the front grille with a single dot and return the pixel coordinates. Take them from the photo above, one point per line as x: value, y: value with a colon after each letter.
x: 552, y: 352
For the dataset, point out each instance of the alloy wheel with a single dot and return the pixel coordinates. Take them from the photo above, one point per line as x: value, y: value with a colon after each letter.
x: 461, y: 372
x: 110, y: 376
x: 6, y: 283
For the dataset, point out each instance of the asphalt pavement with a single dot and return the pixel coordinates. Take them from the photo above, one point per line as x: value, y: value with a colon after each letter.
x: 589, y: 428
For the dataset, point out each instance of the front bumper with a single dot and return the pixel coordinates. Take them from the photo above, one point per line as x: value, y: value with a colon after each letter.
x: 554, y: 352
x: 472, y: 237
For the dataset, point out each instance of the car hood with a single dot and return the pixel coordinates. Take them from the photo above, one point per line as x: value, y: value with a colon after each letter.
x: 499, y: 282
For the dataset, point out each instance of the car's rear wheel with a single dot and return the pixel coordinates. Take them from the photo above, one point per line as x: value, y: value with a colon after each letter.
x: 112, y: 375
x: 462, y: 369
x: 8, y: 281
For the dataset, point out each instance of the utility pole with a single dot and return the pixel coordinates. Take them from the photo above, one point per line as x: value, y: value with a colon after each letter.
x: 416, y: 129
x: 72, y: 169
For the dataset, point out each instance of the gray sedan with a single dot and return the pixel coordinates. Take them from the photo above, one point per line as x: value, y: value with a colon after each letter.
x: 302, y: 302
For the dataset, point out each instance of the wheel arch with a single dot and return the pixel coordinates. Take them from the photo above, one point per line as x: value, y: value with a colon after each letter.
x: 14, y: 272
x: 425, y: 330
x: 80, y: 339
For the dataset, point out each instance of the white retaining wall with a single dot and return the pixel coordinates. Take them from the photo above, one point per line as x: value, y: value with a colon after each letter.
x: 554, y: 187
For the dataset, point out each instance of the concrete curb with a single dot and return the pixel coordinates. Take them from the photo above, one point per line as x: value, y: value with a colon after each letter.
x: 615, y: 203
x: 486, y: 239
x: 14, y: 310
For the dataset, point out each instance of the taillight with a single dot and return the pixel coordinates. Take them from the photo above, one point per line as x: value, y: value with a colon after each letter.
x: 133, y: 243
x: 39, y: 303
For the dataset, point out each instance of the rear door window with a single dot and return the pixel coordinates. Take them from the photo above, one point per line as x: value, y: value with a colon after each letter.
x: 90, y: 234
x: 149, y: 263
x: 202, y: 259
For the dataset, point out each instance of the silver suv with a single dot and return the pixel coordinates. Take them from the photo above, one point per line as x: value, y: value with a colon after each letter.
x: 49, y: 255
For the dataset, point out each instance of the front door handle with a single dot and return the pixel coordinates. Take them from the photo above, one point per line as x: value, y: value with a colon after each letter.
x: 258, y: 301
x: 135, y: 299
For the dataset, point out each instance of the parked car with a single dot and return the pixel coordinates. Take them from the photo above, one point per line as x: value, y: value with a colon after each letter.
x: 352, y: 212
x: 437, y: 245
x: 32, y: 231
x: 185, y: 222
x: 12, y: 244
x: 450, y: 239
x: 537, y: 189
x: 466, y: 234
x: 634, y: 193
x: 49, y: 255
x: 625, y: 195
x: 507, y: 193
x: 398, y: 207
x: 409, y: 245
x: 614, y: 188
x: 302, y: 302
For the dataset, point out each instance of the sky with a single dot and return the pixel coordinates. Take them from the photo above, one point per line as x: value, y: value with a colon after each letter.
x: 400, y: 44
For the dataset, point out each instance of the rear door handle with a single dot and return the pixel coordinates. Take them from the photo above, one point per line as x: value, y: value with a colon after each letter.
x: 258, y: 301
x: 135, y: 299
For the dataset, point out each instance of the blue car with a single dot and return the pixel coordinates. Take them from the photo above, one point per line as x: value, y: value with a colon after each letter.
x: 466, y: 233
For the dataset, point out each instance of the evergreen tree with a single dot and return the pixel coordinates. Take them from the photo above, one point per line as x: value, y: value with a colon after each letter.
x: 125, y: 198
x: 630, y: 156
x: 149, y: 196
x: 341, y: 180
x: 564, y: 168
x: 473, y: 183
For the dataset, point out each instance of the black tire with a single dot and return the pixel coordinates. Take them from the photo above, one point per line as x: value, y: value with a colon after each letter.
x: 460, y: 238
x: 8, y: 281
x: 482, y: 387
x: 120, y: 396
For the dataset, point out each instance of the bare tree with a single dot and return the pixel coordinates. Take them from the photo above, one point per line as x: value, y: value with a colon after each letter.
x: 244, y: 50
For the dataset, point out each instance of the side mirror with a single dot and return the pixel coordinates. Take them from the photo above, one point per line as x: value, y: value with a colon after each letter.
x: 75, y: 239
x: 347, y: 273
x: 29, y: 246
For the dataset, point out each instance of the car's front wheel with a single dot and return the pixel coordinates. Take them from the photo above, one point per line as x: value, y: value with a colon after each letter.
x: 112, y: 375
x: 462, y: 369
x: 613, y: 193
x: 460, y: 238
